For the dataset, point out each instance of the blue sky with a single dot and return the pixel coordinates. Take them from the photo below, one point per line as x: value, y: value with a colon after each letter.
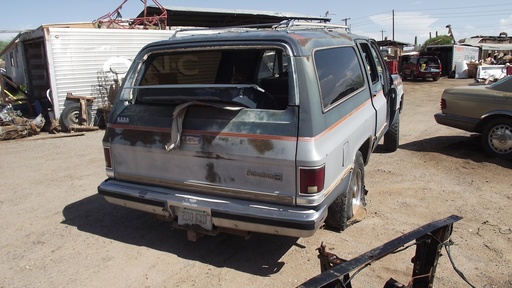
x: 412, y: 19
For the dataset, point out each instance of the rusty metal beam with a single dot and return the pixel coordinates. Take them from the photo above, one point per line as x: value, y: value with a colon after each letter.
x: 429, y: 240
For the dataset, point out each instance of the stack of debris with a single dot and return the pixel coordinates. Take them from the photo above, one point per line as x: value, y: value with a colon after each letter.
x: 19, y: 116
x: 14, y: 126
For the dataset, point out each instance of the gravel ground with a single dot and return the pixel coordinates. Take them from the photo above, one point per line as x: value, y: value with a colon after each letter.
x: 58, y: 232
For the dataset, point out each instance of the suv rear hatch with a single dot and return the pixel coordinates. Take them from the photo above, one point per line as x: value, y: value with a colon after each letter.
x: 215, y: 122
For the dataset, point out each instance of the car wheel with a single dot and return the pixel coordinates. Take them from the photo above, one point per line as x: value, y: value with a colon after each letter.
x: 71, y: 115
x: 392, y: 136
x: 497, y: 138
x: 435, y: 78
x: 413, y: 78
x: 349, y: 207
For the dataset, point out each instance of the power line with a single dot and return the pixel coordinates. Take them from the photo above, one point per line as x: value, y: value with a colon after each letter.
x: 490, y: 11
x: 465, y: 7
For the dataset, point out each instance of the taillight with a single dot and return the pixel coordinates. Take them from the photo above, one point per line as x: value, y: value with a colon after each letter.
x: 312, y: 179
x: 108, y: 158
x: 443, y: 103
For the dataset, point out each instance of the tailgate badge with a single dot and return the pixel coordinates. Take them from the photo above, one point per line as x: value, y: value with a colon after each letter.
x: 191, y: 140
x: 123, y: 119
x: 265, y: 175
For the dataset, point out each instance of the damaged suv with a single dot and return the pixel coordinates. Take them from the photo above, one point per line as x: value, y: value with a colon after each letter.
x: 251, y: 130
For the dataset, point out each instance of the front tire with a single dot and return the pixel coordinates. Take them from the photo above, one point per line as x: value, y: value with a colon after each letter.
x: 392, y: 136
x: 349, y: 207
x: 497, y: 138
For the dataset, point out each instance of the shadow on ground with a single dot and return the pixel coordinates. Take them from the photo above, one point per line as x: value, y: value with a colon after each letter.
x: 259, y: 255
x: 462, y: 147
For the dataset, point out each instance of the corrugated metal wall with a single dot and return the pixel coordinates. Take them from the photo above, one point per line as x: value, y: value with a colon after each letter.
x: 76, y: 55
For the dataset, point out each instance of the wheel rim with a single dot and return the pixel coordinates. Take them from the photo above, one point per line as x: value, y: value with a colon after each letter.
x: 73, y: 117
x: 500, y: 139
x: 357, y: 194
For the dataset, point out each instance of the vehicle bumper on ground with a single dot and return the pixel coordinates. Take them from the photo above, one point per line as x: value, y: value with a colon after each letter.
x: 459, y: 122
x: 221, y: 212
x: 425, y: 75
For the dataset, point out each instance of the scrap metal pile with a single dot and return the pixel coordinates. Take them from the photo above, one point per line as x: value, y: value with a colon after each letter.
x: 14, y: 126
x: 18, y: 118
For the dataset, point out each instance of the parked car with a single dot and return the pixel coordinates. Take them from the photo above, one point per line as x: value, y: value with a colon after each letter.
x: 485, y: 109
x: 243, y: 130
x: 422, y: 67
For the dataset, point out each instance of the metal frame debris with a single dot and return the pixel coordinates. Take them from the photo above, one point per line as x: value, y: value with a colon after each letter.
x: 429, y: 240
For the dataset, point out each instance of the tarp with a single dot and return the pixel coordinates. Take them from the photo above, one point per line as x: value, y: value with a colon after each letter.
x: 487, y: 46
x: 491, y: 46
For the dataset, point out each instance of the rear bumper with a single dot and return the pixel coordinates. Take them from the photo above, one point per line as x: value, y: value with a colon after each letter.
x: 463, y: 123
x: 427, y: 74
x: 226, y: 213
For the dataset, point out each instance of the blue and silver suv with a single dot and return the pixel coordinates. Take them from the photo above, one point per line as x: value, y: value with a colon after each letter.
x: 251, y: 130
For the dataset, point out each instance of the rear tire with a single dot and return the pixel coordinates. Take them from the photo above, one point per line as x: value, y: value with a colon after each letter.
x: 392, y: 136
x: 349, y: 207
x: 497, y: 138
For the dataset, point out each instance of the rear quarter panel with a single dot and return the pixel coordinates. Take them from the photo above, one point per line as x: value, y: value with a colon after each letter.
x: 474, y: 101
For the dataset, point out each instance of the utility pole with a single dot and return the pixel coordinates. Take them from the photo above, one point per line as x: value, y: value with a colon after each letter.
x: 382, y: 34
x: 393, y: 24
x: 345, y: 20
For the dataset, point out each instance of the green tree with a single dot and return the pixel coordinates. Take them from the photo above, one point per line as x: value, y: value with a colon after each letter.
x: 3, y: 44
x: 439, y: 40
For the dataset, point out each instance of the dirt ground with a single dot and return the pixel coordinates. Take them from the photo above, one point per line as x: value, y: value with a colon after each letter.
x: 58, y: 232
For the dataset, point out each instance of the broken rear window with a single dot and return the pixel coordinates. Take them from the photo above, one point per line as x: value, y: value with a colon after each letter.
x: 252, y: 77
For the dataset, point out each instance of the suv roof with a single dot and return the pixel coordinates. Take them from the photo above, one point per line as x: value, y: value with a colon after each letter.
x: 302, y: 37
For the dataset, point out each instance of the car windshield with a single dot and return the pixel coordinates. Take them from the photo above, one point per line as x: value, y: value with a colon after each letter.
x: 504, y: 85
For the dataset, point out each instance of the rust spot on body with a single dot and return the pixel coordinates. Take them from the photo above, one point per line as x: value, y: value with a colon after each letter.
x: 262, y: 146
x: 211, y: 175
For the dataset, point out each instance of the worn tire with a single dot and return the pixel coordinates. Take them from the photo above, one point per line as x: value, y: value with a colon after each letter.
x: 435, y: 79
x: 349, y: 207
x: 70, y: 115
x: 392, y: 136
x: 497, y: 138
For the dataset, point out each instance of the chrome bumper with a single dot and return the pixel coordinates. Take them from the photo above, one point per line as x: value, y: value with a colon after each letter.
x: 235, y: 214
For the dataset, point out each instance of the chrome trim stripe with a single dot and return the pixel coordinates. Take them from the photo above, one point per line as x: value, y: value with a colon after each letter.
x: 213, y: 190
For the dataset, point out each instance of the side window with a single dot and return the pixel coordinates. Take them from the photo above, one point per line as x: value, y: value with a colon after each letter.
x: 274, y: 63
x: 378, y: 60
x: 339, y: 73
x: 368, y: 57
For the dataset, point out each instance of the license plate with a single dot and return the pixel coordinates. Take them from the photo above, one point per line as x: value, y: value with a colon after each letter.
x: 428, y: 75
x: 187, y: 216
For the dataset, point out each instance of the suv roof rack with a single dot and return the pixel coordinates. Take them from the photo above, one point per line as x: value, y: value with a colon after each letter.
x: 289, y: 25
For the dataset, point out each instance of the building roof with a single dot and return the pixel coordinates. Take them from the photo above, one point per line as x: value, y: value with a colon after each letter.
x: 392, y: 43
x: 488, y: 45
x: 208, y: 17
